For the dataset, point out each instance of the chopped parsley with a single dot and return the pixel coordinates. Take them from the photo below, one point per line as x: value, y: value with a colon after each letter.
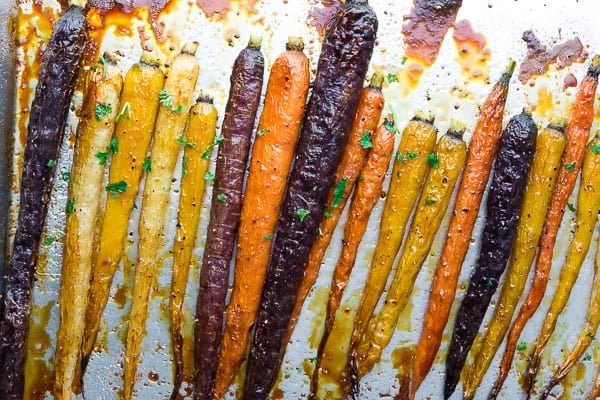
x: 186, y: 142
x: 184, y: 163
x: 66, y: 176
x: 221, y: 197
x: 102, y: 156
x: 390, y: 125
x: 147, y: 165
x: 587, y: 357
x: 365, y: 140
x: 261, y: 132
x: 338, y: 192
x: 102, y: 62
x: 70, y: 206
x: 312, y: 359
x: 571, y: 207
x: 177, y: 109
x: 595, y: 148
x: 411, y: 156
x: 268, y: 236
x: 51, y: 163
x: 403, y: 61
x: 114, y: 146
x: 209, y: 176
x: 206, y: 153
x: 433, y: 160
x: 591, y: 335
x: 165, y: 98
x: 49, y: 240
x: 392, y: 78
x: 116, y: 188
x: 429, y: 201
x: 489, y: 282
x: 521, y: 346
x: 570, y: 166
x: 102, y: 110
x: 302, y: 213
x: 124, y: 113
x: 399, y: 156
x: 327, y: 214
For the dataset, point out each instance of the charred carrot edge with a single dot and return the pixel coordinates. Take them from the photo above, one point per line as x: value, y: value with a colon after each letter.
x: 175, y: 99
x: 198, y: 138
x: 343, y: 63
x: 480, y: 155
x: 60, y: 65
x: 368, y: 114
x: 410, y: 167
x: 272, y: 155
x: 133, y: 131
x: 588, y: 205
x: 542, y: 177
x: 366, y: 195
x: 447, y: 162
x: 238, y: 123
x: 85, y: 188
x: 577, y: 133
x: 507, y: 186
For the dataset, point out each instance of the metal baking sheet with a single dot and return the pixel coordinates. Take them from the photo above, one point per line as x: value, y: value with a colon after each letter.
x: 453, y: 87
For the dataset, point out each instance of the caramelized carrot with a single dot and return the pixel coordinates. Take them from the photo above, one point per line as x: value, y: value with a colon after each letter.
x: 478, y: 164
x: 354, y: 157
x: 588, y: 206
x: 577, y: 133
x: 199, y: 136
x: 366, y: 195
x: 272, y: 154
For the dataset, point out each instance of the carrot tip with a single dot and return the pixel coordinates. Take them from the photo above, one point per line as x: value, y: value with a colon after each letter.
x: 457, y: 128
x: 510, y: 68
x: 376, y: 80
x: 255, y: 41
x: 295, y: 43
x: 594, y: 69
x: 425, y: 116
x: 558, y: 123
x: 190, y: 48
x: 111, y: 57
x: 205, y: 98
x: 150, y: 58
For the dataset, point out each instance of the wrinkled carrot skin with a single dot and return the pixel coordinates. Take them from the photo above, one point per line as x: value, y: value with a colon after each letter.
x: 170, y: 126
x: 480, y: 156
x: 271, y: 159
x: 439, y: 185
x: 355, y: 155
x: 200, y: 133
x: 418, y: 138
x: 367, y: 194
x: 133, y: 132
x: 577, y: 133
x: 588, y: 206
x: 550, y: 144
x: 85, y: 186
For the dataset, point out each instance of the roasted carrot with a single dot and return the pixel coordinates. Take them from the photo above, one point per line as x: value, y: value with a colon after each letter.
x: 366, y: 195
x: 133, y: 130
x: 507, y: 186
x: 410, y: 166
x: 85, y: 188
x: 540, y: 182
x: 447, y: 159
x: 343, y: 62
x: 480, y: 155
x: 588, y: 206
x: 577, y: 133
x: 595, y: 393
x: 272, y: 155
x: 238, y: 122
x: 175, y: 99
x: 354, y: 157
x: 199, y: 136
x: 61, y: 61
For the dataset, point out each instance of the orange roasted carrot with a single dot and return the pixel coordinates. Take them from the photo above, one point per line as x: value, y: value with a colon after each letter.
x: 272, y: 155
x: 577, y: 133
x: 366, y: 195
x: 478, y: 164
x: 354, y: 158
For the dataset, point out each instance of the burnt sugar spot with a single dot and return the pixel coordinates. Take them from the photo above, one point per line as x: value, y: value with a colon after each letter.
x: 473, y: 54
x: 319, y: 15
x: 539, y: 57
x: 426, y: 27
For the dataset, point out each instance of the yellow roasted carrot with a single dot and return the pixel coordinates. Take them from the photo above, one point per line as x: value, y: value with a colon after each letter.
x: 133, y: 130
x: 85, y: 192
x: 446, y: 164
x: 588, y: 206
x: 175, y: 99
x: 550, y: 144
x: 353, y: 159
x: 410, y: 165
x: 198, y: 138
x: 366, y: 195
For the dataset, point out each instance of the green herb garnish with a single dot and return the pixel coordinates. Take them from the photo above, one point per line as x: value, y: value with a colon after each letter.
x: 399, y: 156
x: 591, y: 335
x: 51, y: 163
x: 165, y: 98
x: 184, y: 163
x: 177, y: 109
x: 49, y: 240
x: 70, y: 206
x: 365, y: 140
x: 209, y: 176
x: 521, y: 346
x: 124, y: 113
x: 302, y: 213
x: 392, y: 78
x: 587, y: 357
x: 570, y: 166
x: 114, y: 146
x: 571, y: 207
x: 116, y: 188
x: 338, y: 192
x: 147, y: 165
x: 429, y: 201
x: 65, y: 176
x: 411, y: 156
x: 261, y: 132
x: 102, y: 156
x: 206, y: 153
x: 433, y: 160
x: 186, y: 142
x: 268, y: 236
x: 102, y: 110
x: 595, y: 148
x: 221, y: 197
x: 327, y: 214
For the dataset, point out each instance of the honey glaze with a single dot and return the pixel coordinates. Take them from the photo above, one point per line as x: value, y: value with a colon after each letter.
x: 473, y: 54
x: 39, y: 371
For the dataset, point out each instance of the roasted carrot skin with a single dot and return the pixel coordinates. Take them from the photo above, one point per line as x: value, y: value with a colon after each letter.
x: 550, y: 144
x: 226, y: 205
x: 354, y: 157
x: 367, y: 193
x: 588, y: 206
x: 345, y: 54
x: 200, y: 135
x: 577, y: 133
x: 449, y: 157
x: 58, y: 71
x: 482, y: 149
x: 510, y: 171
